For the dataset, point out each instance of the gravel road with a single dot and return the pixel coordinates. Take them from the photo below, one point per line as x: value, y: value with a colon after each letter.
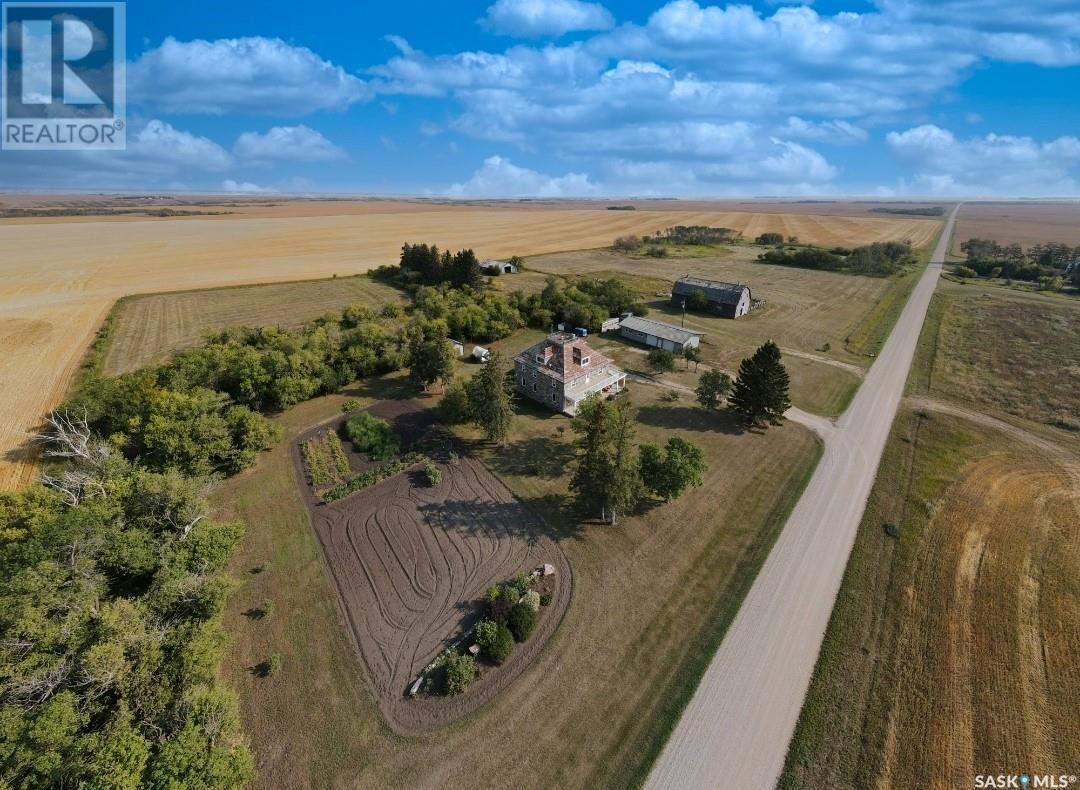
x: 736, y: 728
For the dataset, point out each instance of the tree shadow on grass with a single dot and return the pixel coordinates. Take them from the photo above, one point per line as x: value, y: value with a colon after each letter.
x: 537, y: 457
x: 519, y: 518
x: 674, y: 417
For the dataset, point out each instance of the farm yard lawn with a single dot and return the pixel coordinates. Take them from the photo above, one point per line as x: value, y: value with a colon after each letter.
x: 652, y: 598
x: 1014, y: 355
x: 62, y: 275
x: 816, y: 387
x: 805, y: 310
x: 952, y: 650
x: 148, y: 328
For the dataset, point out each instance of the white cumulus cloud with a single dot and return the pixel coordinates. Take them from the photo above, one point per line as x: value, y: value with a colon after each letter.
x: 248, y: 75
x: 499, y: 177
x: 546, y: 17
x: 836, y: 132
x: 229, y: 185
x: 296, y: 143
x: 995, y: 164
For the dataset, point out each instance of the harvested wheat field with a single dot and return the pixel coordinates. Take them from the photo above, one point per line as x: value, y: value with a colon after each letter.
x: 1025, y: 223
x: 151, y: 327
x: 61, y: 275
x: 412, y: 561
x: 953, y: 647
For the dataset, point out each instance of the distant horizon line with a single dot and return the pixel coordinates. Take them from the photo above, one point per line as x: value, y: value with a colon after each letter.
x: 346, y: 195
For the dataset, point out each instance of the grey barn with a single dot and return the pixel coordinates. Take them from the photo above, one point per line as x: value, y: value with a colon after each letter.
x: 657, y: 334
x: 730, y: 300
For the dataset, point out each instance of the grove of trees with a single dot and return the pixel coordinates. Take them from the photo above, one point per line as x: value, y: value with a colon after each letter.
x: 879, y: 258
x: 110, y: 626
x: 1052, y: 265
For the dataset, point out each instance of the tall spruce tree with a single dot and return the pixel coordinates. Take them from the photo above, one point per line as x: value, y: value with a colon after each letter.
x: 761, y: 389
x: 491, y: 399
x: 591, y: 424
x: 607, y: 473
x: 624, y: 474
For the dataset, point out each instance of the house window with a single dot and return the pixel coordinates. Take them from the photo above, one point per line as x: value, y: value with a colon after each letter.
x: 534, y: 386
x: 584, y: 361
x: 554, y: 397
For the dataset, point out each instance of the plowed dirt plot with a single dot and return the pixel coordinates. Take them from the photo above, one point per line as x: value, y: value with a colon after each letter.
x: 61, y: 275
x: 411, y: 561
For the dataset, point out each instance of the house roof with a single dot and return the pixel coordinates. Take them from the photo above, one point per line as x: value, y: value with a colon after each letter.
x: 558, y: 353
x: 659, y: 329
x: 715, y: 291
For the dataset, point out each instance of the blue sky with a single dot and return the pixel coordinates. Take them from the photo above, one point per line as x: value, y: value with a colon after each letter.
x: 565, y: 98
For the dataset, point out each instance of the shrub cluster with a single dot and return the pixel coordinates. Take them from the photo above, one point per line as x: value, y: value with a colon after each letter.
x: 585, y: 302
x: 371, y: 435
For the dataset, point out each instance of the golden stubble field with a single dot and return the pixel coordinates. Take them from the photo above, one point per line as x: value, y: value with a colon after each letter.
x: 60, y: 276
x: 1024, y: 223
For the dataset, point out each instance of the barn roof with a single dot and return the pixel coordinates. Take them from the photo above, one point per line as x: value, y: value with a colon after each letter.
x: 659, y: 329
x: 715, y: 291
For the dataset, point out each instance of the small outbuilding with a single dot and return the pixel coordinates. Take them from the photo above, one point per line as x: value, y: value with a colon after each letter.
x: 459, y: 347
x: 657, y: 334
x: 492, y: 266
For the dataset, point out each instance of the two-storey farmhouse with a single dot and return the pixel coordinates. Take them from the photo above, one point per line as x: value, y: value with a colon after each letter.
x: 730, y: 300
x: 563, y: 370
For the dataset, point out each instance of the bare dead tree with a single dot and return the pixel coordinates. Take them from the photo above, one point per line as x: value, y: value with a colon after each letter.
x: 71, y: 438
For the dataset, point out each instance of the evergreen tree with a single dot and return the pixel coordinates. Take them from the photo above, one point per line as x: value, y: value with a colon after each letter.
x: 491, y: 399
x: 761, y: 390
x: 592, y: 442
x: 607, y: 472
x: 623, y: 478
x: 464, y: 270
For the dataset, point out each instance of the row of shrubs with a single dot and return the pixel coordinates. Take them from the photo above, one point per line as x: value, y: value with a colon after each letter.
x: 372, y: 476
x: 511, y: 612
